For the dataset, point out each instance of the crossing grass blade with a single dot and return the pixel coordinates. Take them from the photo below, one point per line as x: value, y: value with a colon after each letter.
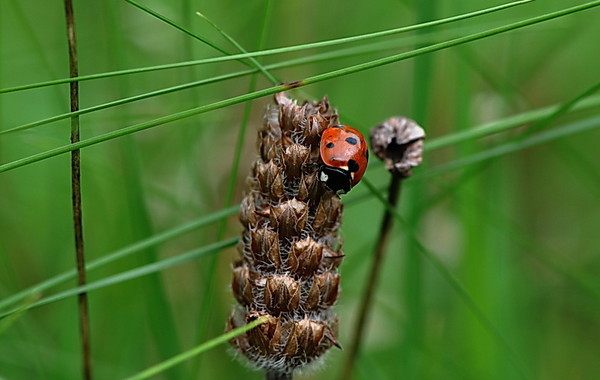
x: 264, y: 52
x: 161, y: 367
x: 130, y: 274
x: 275, y: 89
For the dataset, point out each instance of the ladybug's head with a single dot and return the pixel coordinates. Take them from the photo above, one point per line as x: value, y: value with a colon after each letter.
x: 337, y: 180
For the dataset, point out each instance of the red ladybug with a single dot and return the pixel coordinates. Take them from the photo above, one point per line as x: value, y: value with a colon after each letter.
x: 345, y: 156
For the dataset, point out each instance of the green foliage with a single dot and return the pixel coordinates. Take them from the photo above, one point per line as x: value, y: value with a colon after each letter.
x: 492, y: 269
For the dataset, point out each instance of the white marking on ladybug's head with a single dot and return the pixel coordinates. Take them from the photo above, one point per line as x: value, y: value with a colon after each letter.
x: 343, y: 167
x: 324, y: 177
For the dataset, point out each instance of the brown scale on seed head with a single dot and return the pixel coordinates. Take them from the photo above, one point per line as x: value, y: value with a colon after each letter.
x: 290, y: 245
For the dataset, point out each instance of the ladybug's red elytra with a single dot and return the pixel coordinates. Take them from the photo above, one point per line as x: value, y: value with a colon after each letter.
x: 345, y: 156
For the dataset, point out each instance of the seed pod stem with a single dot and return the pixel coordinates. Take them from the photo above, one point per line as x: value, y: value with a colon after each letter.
x: 277, y: 375
x: 398, y: 142
x: 378, y: 255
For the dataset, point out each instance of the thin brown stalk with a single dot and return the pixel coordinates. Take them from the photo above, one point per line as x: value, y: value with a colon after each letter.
x: 76, y: 193
x: 378, y: 257
x: 398, y: 142
x: 276, y: 375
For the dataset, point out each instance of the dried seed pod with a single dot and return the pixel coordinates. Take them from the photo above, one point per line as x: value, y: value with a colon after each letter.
x: 248, y: 211
x: 289, y: 217
x: 242, y: 284
x: 264, y: 248
x: 398, y: 142
x: 328, y: 284
x: 294, y: 157
x: 310, y: 188
x: 269, y: 140
x: 290, y: 247
x: 327, y: 214
x: 269, y: 181
x: 305, y: 257
x: 267, y: 336
x: 281, y: 294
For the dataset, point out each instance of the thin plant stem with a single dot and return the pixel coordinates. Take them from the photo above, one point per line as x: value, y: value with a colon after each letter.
x: 384, y: 233
x: 84, y: 324
x: 276, y: 375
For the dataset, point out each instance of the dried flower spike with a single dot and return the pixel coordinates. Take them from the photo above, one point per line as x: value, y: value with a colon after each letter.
x: 398, y: 142
x: 290, y: 247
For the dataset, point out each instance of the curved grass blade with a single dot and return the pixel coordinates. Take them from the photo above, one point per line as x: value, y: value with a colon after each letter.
x: 132, y: 274
x: 507, y: 123
x: 206, y: 310
x: 252, y: 61
x: 284, y: 87
x: 122, y: 253
x: 255, y: 63
x: 513, y: 146
x: 8, y: 321
x: 482, y: 131
x: 177, y: 26
x: 338, y: 54
x: 155, y: 370
x: 567, y: 130
x: 269, y: 51
x: 452, y: 281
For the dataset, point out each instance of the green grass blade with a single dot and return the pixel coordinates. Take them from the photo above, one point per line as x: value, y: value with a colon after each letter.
x: 122, y: 253
x: 253, y: 60
x: 450, y: 279
x: 155, y: 370
x: 506, y: 124
x: 514, y: 146
x: 206, y: 310
x: 177, y: 26
x: 305, y: 82
x: 271, y: 51
x: 133, y: 273
x: 18, y: 313
x: 314, y: 58
x: 569, y: 129
x: 411, y: 286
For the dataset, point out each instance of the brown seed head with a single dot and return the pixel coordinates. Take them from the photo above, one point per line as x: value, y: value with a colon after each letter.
x: 398, y: 142
x: 290, y: 245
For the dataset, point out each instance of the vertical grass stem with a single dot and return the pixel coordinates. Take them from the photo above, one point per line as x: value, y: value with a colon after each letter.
x: 76, y: 193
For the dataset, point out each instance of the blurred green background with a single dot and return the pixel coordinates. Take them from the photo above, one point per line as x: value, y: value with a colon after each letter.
x: 519, y: 232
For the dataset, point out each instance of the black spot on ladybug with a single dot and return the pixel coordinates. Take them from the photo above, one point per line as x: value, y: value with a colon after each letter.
x: 367, y: 154
x: 351, y: 140
x: 330, y: 145
x: 353, y: 166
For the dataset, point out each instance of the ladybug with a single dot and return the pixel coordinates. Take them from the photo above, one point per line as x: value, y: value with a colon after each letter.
x: 345, y: 156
